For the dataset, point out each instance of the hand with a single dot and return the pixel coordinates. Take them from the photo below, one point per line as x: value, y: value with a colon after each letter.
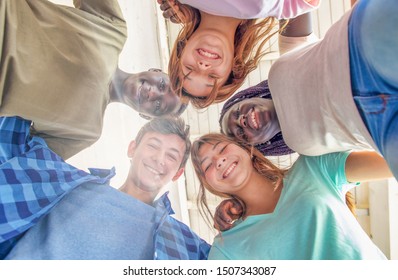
x: 170, y: 12
x: 227, y: 212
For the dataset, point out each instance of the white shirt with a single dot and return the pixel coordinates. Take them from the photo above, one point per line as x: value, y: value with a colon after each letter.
x: 249, y: 9
x: 311, y: 89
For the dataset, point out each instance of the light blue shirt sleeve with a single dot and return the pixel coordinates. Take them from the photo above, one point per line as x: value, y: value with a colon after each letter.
x: 331, y: 167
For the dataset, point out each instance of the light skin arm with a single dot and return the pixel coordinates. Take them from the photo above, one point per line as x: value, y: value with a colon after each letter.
x: 366, y: 166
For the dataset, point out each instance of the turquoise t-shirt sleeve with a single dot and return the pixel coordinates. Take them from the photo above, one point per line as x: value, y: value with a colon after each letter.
x: 216, y: 254
x: 332, y: 167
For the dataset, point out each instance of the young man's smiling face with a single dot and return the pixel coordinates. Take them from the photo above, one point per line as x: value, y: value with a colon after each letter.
x: 156, y: 161
x: 150, y: 94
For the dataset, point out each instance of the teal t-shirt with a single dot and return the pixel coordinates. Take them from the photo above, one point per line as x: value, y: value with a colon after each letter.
x: 310, y: 221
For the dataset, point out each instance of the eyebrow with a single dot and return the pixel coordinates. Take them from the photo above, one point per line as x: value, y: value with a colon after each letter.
x: 190, y: 79
x: 214, y: 147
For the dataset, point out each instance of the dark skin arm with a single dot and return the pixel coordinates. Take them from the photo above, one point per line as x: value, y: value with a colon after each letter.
x: 297, y: 27
x: 226, y: 213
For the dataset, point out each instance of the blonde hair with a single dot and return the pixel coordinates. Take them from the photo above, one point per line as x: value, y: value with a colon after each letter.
x: 261, y: 164
x: 251, y: 34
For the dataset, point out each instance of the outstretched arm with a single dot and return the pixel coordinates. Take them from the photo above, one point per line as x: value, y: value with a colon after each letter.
x: 365, y: 166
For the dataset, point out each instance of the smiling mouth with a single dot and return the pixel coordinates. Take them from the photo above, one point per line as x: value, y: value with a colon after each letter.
x: 230, y: 169
x: 208, y: 54
x: 253, y: 119
x: 153, y: 171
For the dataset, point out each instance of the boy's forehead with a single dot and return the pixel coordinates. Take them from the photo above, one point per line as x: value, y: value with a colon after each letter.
x: 155, y: 136
x: 172, y: 141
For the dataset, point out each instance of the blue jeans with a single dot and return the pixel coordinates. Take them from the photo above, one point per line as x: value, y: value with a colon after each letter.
x: 373, y: 46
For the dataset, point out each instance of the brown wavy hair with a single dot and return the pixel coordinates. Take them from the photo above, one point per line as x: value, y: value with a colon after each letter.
x: 261, y: 164
x: 250, y: 39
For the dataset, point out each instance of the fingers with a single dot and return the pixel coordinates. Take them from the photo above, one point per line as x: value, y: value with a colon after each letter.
x: 221, y: 224
x: 168, y: 13
x: 171, y: 15
x: 223, y: 211
x: 236, y: 208
x: 164, y: 6
x: 174, y: 19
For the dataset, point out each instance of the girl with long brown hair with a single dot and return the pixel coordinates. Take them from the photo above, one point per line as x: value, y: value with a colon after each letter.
x: 299, y: 213
x: 213, y: 53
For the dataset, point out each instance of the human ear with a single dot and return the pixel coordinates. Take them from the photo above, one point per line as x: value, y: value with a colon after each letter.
x: 131, y: 148
x: 178, y: 174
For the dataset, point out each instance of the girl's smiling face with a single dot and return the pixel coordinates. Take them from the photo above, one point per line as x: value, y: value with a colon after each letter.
x: 207, y: 58
x: 226, y: 166
x: 252, y: 120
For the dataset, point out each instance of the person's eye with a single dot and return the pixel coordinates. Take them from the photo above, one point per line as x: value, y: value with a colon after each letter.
x: 157, y: 105
x: 237, y: 113
x: 240, y: 133
x: 172, y: 157
x: 212, y: 76
x: 153, y: 146
x: 189, y: 68
x: 223, y: 149
x: 162, y: 85
x: 207, y: 167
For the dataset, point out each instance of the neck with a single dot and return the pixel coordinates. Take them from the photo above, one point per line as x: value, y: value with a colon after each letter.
x: 225, y: 25
x: 134, y: 191
x: 260, y: 196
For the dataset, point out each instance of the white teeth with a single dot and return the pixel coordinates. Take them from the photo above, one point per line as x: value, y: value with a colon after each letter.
x: 154, y: 171
x: 253, y: 117
x: 207, y: 54
x: 232, y: 167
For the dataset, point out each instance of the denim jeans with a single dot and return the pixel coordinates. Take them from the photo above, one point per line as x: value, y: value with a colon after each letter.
x: 373, y: 43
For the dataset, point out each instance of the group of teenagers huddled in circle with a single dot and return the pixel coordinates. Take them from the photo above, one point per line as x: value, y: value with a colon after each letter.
x: 333, y: 101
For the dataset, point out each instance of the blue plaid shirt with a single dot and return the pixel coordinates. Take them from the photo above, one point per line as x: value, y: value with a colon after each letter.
x: 33, y: 179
